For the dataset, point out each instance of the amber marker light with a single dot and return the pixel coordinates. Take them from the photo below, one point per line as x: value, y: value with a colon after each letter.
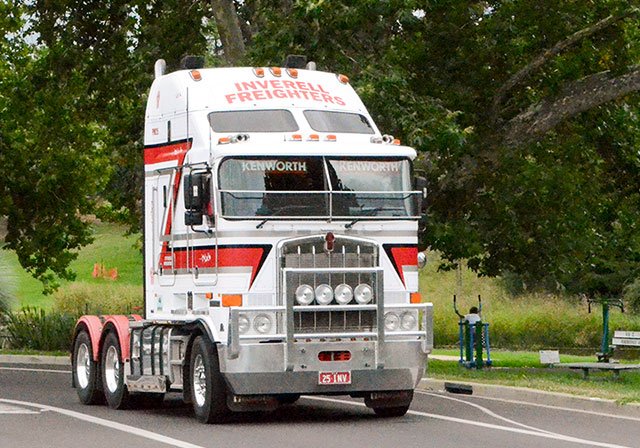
x: 276, y: 71
x: 416, y: 297
x: 223, y: 140
x: 296, y: 138
x: 258, y: 71
x: 195, y: 75
x: 314, y: 138
x: 331, y: 138
x: 231, y: 300
x: 292, y: 72
x: 343, y: 79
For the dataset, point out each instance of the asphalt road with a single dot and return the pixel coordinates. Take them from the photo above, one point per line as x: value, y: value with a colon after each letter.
x: 38, y: 408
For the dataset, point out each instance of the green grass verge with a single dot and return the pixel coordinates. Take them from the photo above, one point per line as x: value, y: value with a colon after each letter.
x: 33, y: 352
x: 523, y: 369
x: 111, y: 248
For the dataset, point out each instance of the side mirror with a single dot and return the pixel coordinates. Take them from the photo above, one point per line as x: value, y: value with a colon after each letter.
x: 197, y: 197
x: 421, y: 185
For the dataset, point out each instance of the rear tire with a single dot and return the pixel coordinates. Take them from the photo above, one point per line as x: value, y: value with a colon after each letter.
x: 285, y: 399
x: 85, y: 371
x: 115, y: 391
x: 398, y: 411
x: 208, y: 389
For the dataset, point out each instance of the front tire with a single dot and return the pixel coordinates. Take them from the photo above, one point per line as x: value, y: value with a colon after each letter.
x: 208, y: 389
x: 85, y: 370
x: 115, y: 391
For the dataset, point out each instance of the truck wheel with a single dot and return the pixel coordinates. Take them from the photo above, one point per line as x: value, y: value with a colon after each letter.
x: 208, y: 389
x: 85, y: 370
x: 115, y: 390
x: 398, y: 411
x: 285, y: 399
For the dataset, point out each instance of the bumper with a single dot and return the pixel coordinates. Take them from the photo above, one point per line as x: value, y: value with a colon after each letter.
x: 261, y: 368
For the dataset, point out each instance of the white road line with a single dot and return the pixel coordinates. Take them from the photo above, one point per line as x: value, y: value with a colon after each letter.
x: 488, y: 412
x: 8, y: 409
x: 554, y: 436
x: 549, y: 406
x: 23, y: 369
x: 107, y: 423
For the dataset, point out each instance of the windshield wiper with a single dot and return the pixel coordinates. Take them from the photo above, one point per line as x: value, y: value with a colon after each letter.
x: 371, y: 212
x: 280, y: 210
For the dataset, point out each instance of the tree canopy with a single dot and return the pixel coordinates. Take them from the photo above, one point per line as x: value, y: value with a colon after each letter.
x: 525, y: 116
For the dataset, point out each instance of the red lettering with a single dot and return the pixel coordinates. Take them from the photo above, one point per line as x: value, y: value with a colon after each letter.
x: 289, y: 84
x: 302, y: 85
x: 339, y: 101
x: 279, y: 94
x: 276, y: 84
x: 238, y: 88
x: 327, y: 98
x: 315, y: 96
x: 244, y: 96
x: 249, y: 85
x: 293, y: 93
x: 268, y: 92
x: 311, y: 87
x: 259, y: 95
x: 230, y: 97
x: 305, y: 94
x: 321, y: 89
x: 263, y: 84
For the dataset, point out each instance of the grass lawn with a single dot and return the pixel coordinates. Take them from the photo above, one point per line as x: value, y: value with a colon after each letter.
x: 111, y: 248
x: 523, y: 369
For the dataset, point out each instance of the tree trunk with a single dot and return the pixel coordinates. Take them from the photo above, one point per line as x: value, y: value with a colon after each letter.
x: 226, y: 17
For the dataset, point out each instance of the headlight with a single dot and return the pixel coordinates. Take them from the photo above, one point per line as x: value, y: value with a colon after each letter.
x: 408, y: 321
x: 363, y: 294
x: 243, y: 324
x: 391, y: 321
x: 324, y: 294
x: 344, y: 294
x: 422, y: 260
x: 262, y: 323
x: 304, y: 294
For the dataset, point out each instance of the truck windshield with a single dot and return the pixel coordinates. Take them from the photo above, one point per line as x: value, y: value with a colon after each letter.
x: 316, y: 187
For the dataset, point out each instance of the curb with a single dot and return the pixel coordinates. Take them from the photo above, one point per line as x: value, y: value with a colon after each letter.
x: 36, y: 360
x: 534, y: 396
x: 522, y: 394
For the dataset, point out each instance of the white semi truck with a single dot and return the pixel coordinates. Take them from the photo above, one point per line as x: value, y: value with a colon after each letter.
x: 280, y: 251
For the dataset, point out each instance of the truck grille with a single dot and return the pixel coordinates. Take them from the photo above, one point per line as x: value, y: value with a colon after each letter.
x: 352, y: 262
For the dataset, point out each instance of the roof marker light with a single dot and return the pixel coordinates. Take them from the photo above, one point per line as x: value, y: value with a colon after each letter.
x: 296, y: 138
x: 314, y: 138
x: 276, y: 71
x: 195, y: 75
x: 343, y: 79
x: 331, y: 138
x: 396, y: 141
x: 292, y: 72
x: 258, y: 71
x: 223, y: 141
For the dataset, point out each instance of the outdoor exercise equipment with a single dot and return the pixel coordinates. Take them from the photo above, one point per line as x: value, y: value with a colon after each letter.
x: 474, y: 337
x: 606, y: 350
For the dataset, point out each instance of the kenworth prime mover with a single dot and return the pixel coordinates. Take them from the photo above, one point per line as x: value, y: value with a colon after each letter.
x: 280, y: 251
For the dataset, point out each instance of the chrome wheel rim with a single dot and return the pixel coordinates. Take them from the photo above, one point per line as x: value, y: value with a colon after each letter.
x: 112, y: 369
x: 199, y: 381
x: 83, y: 366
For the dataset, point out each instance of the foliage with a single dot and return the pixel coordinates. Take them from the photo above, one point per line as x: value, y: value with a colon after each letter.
x: 632, y: 295
x: 33, y: 328
x: 80, y: 298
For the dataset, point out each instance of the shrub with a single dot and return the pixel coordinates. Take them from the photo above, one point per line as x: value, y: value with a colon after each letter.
x: 32, y: 328
x: 88, y: 298
x: 632, y: 295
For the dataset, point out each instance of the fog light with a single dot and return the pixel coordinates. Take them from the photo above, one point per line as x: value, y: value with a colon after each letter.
x: 324, y: 294
x: 391, y: 321
x: 363, y: 294
x: 344, y: 294
x: 262, y: 323
x: 243, y: 324
x: 304, y: 294
x: 408, y: 321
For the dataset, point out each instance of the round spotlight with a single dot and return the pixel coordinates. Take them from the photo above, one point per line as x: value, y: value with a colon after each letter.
x: 304, y: 294
x: 391, y: 321
x: 262, y: 323
x: 408, y: 321
x: 363, y: 294
x: 422, y: 260
x: 344, y: 294
x: 324, y: 294
x: 243, y: 324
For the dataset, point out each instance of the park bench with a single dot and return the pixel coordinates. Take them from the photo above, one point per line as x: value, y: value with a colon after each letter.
x: 626, y: 339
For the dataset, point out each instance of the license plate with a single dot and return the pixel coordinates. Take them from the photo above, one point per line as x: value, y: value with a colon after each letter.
x: 334, y: 378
